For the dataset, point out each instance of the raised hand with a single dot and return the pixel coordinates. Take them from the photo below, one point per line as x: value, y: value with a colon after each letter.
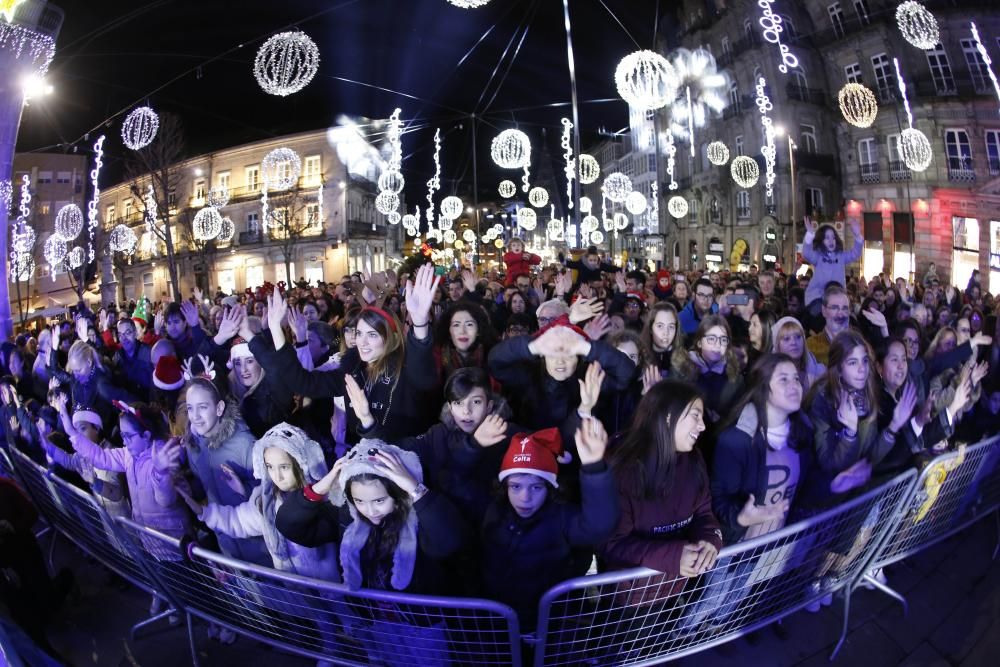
x: 877, y: 318
x: 420, y: 295
x: 323, y: 486
x: 358, y: 400
x: 81, y: 328
x: 904, y: 407
x: 855, y: 227
x: 753, y: 514
x: 591, y: 440
x: 810, y: 224
x: 166, y: 455
x: 158, y: 322
x: 491, y: 432
x: 190, y: 312
x: 979, y: 371
x: 244, y: 328
x: 102, y: 320
x: 390, y: 465
x: 650, y: 376
x: 199, y: 296
x: 620, y: 282
x: 298, y: 323
x: 963, y: 392
x: 468, y: 280
x: 563, y: 284
x: 55, y: 336
x: 590, y: 387
x: 230, y: 325
x: 847, y: 412
x: 585, y: 309
x: 232, y: 480
x: 598, y: 327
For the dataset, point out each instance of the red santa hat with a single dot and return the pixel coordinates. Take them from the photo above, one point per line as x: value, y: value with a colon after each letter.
x: 239, y: 349
x: 538, y: 453
x: 167, y: 374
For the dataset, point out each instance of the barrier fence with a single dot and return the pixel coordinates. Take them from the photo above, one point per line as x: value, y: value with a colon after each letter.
x: 632, y: 617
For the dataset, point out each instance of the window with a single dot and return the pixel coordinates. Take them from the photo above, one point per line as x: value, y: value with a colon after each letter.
x: 44, y: 208
x: 742, y: 205
x: 937, y: 60
x: 993, y: 151
x: 651, y: 163
x: 807, y: 136
x: 885, y: 77
x: 127, y: 209
x: 278, y: 221
x: 223, y: 178
x: 253, y: 177
x: 739, y: 144
x: 311, y: 170
x: 853, y: 73
x: 977, y: 66
x: 63, y: 177
x: 312, y: 217
x: 253, y: 223
x: 734, y: 96
x: 898, y: 171
x: 226, y: 278
x: 109, y: 214
x: 281, y: 273
x: 965, y: 249
x: 255, y: 276
x: 837, y: 19
x: 814, y: 201
x: 861, y: 8
x: 800, y: 82
x: 44, y: 177
x: 959, y: 153
x: 748, y: 30
x: 868, y: 160
x: 172, y: 198
x: 693, y: 210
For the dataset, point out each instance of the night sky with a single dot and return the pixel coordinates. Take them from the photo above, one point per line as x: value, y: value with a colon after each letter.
x: 114, y: 55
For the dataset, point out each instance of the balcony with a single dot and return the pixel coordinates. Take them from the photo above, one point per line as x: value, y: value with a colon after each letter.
x: 994, y: 163
x: 824, y: 163
x: 869, y: 173
x: 751, y: 41
x: 962, y: 86
x: 847, y: 26
x: 803, y: 94
x: 247, y: 238
x: 960, y: 170
x: 742, y: 212
x: 899, y: 172
x: 743, y: 103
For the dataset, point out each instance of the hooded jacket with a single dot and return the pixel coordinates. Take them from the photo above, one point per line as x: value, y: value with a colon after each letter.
x: 263, y: 405
x: 519, y: 263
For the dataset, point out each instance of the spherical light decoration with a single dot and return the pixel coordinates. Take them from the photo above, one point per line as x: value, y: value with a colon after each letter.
x: 55, y: 249
x: 745, y: 171
x: 858, y: 105
x: 498, y: 228
x: 207, y: 224
x: 451, y: 207
x: 918, y: 25
x: 410, y: 220
x: 511, y: 149
x: 139, y: 128
x: 507, y: 189
x: 386, y: 202
x: 469, y: 236
x: 22, y: 238
x: 589, y: 224
x: 459, y: 244
x: 915, y: 149
x: 122, y: 239
x: 590, y: 170
x: 621, y: 221
x: 635, y: 203
x: 450, y: 236
x: 281, y: 168
x: 616, y: 187
x: 393, y: 217
x: 75, y: 257
x: 677, y: 206
x: 597, y: 238
x: 609, y: 225
x: 286, y: 63
x: 69, y: 222
x: 6, y: 194
x: 22, y: 266
x: 526, y: 218
x: 702, y: 90
x: 468, y: 4
x: 718, y: 154
x: 646, y: 80
x: 538, y: 197
x: 498, y: 243
x: 227, y: 232
x: 586, y: 205
x: 392, y: 181
x: 444, y: 224
x: 217, y: 197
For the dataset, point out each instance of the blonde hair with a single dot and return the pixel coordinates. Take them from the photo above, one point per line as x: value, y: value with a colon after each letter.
x: 82, y: 357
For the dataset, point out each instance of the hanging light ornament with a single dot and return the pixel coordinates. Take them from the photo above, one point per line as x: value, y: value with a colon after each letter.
x: 671, y: 150
x: 986, y: 58
x: 280, y: 169
x: 451, y: 207
x: 434, y: 182
x: 95, y: 193
x: 286, y: 63
x: 702, y: 88
x: 677, y: 206
x: 393, y: 217
x: 745, y: 171
x: 410, y: 220
x: 392, y: 181
x: 538, y: 197
x: 718, y: 154
x: 914, y: 147
x: 54, y: 251
x: 635, y: 203
x: 22, y: 237
x: 69, y: 222
x: 207, y: 224
x: 139, y: 128
x: 450, y: 236
x: 468, y: 4
x: 620, y: 220
x: 596, y: 237
x: 527, y: 219
x: 227, y: 232
x: 589, y: 224
x: 386, y: 202
x: 609, y: 225
x: 772, y: 26
x: 646, y: 80
x: 218, y: 197
x: 22, y: 266
x: 616, y: 187
x: 918, y: 25
x: 590, y: 170
x: 586, y: 205
x: 6, y: 194
x: 767, y: 150
x: 858, y: 105
x: 75, y: 258
x: 507, y: 189
x: 122, y: 239
x: 511, y: 149
x: 469, y: 236
x: 569, y: 169
x: 444, y: 224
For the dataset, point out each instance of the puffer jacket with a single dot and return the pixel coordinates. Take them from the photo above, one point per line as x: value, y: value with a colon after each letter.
x: 96, y: 392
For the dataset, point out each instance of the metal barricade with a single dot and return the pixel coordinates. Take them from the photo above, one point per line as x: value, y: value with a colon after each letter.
x: 329, y: 621
x: 643, y: 617
x: 6, y: 467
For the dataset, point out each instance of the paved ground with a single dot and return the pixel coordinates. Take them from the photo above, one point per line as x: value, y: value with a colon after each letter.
x: 954, y: 620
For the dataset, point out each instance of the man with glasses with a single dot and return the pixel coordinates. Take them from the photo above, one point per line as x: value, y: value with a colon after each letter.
x: 550, y: 311
x: 701, y: 305
x: 837, y: 314
x: 133, y: 367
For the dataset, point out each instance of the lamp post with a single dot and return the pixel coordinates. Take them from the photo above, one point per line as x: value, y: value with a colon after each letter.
x: 779, y: 131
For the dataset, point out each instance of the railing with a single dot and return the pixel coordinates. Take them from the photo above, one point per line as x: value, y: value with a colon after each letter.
x: 898, y: 171
x: 961, y: 169
x: 994, y: 163
x: 251, y: 237
x: 803, y: 94
x: 630, y: 617
x: 869, y: 173
x: 742, y: 212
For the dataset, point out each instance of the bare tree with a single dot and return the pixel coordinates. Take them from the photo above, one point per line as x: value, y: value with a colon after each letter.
x: 289, y: 220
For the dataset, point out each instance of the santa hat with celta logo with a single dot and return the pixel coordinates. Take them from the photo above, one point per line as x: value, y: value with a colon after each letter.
x: 538, y: 453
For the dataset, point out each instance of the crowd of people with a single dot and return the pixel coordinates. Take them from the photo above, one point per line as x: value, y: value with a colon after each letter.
x: 452, y: 433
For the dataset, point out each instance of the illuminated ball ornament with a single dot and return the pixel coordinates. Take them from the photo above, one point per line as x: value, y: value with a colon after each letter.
x: 386, y: 202
x: 459, y: 244
x: 393, y: 217
x: 75, y: 257
x: 526, y: 218
x: 915, y: 149
x: 122, y: 239
x: 22, y: 266
x: 616, y: 187
x: 590, y: 170
x: 498, y: 244
x: 507, y: 189
x: 281, y: 168
x: 745, y: 171
x: 207, y: 224
x: 677, y: 206
x: 538, y: 197
x: 139, y: 128
x: 597, y: 237
x: 620, y: 221
x: 451, y: 207
x: 450, y: 236
x: 69, y: 222
x: 55, y: 249
x: 227, y: 232
x: 918, y: 25
x: 586, y: 205
x: 217, y: 197
x: 22, y: 237
x: 286, y: 63
x: 511, y: 149
x: 609, y: 225
x: 718, y: 154
x: 469, y: 236
x: 589, y: 224
x: 646, y: 80
x: 635, y: 203
x: 392, y: 181
x: 468, y: 4
x: 410, y: 220
x: 858, y: 105
x: 444, y: 224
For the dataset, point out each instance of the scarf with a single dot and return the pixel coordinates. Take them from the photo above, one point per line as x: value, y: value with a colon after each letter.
x: 703, y: 366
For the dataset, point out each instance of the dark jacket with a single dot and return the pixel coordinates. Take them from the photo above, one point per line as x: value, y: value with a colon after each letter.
x: 440, y: 533
x: 135, y: 373
x: 523, y: 558
x: 907, y: 443
x: 585, y: 274
x: 266, y: 405
x: 96, y: 392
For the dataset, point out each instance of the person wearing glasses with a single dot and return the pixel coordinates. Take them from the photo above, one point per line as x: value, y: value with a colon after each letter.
x: 837, y: 314
x: 702, y: 305
x: 711, y: 365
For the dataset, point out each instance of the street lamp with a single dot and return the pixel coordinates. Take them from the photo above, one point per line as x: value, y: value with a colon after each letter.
x: 779, y: 131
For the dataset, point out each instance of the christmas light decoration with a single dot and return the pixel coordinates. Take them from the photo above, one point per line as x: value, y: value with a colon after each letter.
x: 507, y: 189
x: 671, y: 150
x: 705, y: 89
x: 393, y: 217
x: 589, y: 224
x: 69, y: 222
x: 609, y: 225
x: 150, y: 215
x: 744, y: 171
x: 8, y: 7
x: 646, y: 80
x: 20, y: 41
x: 498, y: 228
x: 468, y: 4
x: 207, y: 224
x: 538, y: 197
x: 54, y: 251
x: 718, y: 154
x: 915, y: 149
x: 6, y: 194
x: 616, y: 187
x: 218, y: 197
x: 75, y: 258
x: 451, y: 207
x: 280, y: 169
x: 767, y: 150
x: 569, y: 169
x: 139, y: 128
x: 286, y: 63
x: 654, y: 210
x: 434, y: 183
x: 392, y: 181
x: 511, y: 149
x: 444, y: 224
x: 92, y: 214
x: 22, y: 266
x: 526, y: 218
x: 590, y: 170
x: 677, y: 206
x: 596, y: 237
x: 450, y: 236
x: 469, y: 236
x: 498, y: 243
x: 771, y: 28
x: 635, y: 203
x: 410, y: 220
x: 386, y: 202
x: 919, y: 27
x: 122, y: 239
x: 620, y: 220
x: 22, y: 237
x: 227, y: 232
x: 986, y: 59
x: 858, y: 105
x: 586, y: 205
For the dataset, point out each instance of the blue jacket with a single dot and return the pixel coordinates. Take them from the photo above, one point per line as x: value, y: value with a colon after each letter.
x: 690, y: 320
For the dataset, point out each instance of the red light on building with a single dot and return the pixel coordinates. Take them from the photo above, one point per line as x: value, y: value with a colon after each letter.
x: 921, y: 207
x: 854, y: 206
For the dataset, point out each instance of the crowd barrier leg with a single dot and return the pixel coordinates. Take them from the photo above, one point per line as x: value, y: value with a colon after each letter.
x: 191, y: 645
x: 141, y: 625
x: 996, y: 549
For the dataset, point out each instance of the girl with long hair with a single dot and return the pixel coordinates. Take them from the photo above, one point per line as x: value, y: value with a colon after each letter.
x: 759, y: 330
x: 463, y: 337
x: 712, y: 366
x: 663, y: 338
x: 788, y: 336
